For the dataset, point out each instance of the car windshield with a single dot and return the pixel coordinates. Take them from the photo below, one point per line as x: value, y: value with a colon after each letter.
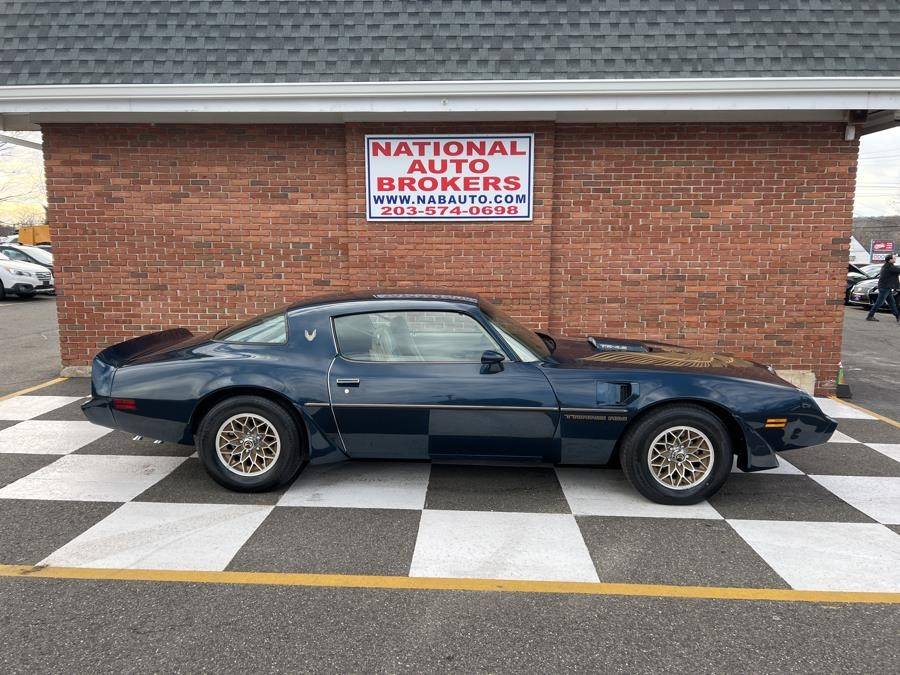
x: 527, y: 344
x: 38, y: 254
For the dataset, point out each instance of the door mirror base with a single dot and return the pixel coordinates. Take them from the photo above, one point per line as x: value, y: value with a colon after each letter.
x: 492, y: 361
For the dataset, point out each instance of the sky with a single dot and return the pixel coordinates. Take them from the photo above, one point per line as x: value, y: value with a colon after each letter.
x: 20, y: 170
x: 878, y: 176
x: 877, y: 182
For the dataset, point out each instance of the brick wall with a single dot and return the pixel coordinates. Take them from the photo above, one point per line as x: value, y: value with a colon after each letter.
x: 727, y: 237
x: 731, y: 237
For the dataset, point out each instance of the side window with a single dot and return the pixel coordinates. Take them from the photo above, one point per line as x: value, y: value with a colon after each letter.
x: 268, y: 330
x: 412, y: 336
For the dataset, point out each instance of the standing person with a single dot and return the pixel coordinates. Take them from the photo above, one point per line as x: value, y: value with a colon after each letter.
x: 888, y: 282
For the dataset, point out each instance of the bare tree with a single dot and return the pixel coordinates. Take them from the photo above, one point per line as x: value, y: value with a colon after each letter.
x: 21, y: 174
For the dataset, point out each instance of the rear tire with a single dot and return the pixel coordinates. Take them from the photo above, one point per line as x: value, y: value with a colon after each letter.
x: 678, y: 454
x: 250, y: 444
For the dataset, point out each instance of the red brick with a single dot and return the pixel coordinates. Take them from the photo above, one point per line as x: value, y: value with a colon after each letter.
x: 723, y: 236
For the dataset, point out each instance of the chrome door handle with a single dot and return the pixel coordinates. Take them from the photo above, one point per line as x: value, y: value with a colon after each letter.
x: 347, y: 382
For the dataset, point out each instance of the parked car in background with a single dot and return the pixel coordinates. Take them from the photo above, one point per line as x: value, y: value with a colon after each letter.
x: 865, y: 293
x: 24, y: 279
x: 446, y: 375
x: 857, y: 274
x: 28, y: 254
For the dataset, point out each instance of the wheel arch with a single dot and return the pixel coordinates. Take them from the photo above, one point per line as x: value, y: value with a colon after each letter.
x: 735, y: 433
x: 205, y: 404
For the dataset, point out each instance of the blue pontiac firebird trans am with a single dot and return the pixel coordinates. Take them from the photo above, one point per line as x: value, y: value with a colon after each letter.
x: 434, y: 374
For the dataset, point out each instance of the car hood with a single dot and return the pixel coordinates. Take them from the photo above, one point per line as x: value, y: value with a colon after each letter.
x: 866, y: 285
x: 611, y: 353
x: 24, y: 266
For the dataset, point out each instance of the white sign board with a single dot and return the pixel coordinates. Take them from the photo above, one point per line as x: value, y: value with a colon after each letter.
x: 438, y: 177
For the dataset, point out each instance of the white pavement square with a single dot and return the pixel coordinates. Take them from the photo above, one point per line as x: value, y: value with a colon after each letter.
x: 364, y: 485
x: 838, y: 437
x: 162, y: 536
x: 49, y: 437
x: 827, y: 556
x: 892, y: 450
x: 877, y: 497
x: 838, y: 410
x: 501, y: 545
x: 784, y: 467
x: 26, y: 407
x: 92, y: 478
x: 601, y: 492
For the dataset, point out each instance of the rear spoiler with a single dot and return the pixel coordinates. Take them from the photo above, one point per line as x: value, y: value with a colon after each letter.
x: 120, y: 354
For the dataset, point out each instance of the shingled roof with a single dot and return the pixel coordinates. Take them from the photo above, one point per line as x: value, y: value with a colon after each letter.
x: 46, y: 42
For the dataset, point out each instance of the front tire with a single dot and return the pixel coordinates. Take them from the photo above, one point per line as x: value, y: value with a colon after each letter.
x: 679, y: 454
x: 250, y: 444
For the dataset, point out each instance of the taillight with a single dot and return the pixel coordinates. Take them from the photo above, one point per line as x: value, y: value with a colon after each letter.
x: 124, y: 404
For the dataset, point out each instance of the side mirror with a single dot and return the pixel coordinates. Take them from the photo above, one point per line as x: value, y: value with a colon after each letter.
x: 492, y: 361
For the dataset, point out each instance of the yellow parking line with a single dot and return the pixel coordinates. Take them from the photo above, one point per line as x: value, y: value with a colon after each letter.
x: 28, y: 390
x: 446, y: 584
x: 886, y: 420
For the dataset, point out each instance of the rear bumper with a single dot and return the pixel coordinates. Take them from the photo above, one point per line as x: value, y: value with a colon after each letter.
x: 99, y: 411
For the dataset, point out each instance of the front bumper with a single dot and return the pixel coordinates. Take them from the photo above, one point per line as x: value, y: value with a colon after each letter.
x: 24, y: 288
x: 868, y: 299
x: 762, y: 443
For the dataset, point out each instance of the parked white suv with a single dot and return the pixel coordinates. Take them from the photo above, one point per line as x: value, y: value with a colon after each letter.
x: 24, y: 279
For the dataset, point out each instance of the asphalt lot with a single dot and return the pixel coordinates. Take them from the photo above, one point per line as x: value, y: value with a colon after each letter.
x: 871, y: 358
x: 30, y: 342
x: 106, y: 624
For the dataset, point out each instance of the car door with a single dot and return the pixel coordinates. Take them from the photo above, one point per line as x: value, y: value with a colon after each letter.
x: 411, y: 384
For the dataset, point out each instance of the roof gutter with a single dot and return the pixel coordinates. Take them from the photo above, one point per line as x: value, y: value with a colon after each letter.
x: 542, y: 98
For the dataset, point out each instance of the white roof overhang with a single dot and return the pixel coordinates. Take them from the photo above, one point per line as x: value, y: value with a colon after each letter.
x: 707, y: 99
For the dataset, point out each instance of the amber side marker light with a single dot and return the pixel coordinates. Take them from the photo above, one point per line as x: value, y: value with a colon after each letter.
x: 776, y: 423
x: 124, y: 404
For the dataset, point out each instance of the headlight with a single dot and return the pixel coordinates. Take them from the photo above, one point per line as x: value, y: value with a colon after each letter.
x: 18, y: 273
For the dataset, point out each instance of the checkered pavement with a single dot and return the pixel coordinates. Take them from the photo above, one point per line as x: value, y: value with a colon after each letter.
x: 74, y: 494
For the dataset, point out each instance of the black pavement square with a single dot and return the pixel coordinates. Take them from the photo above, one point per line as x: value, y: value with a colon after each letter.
x: 121, y: 443
x: 895, y: 528
x: 842, y: 459
x: 869, y: 431
x: 332, y: 541
x: 780, y: 497
x: 70, y: 412
x: 30, y: 530
x: 189, y: 483
x: 75, y: 386
x: 14, y: 466
x: 682, y: 551
x: 495, y: 488
x: 7, y: 423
